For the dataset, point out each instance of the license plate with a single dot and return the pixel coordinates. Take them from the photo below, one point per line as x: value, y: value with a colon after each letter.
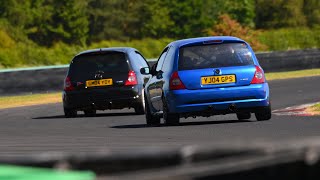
x: 218, y: 79
x: 100, y: 82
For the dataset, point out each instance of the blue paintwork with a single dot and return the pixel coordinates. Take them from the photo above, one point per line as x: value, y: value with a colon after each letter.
x: 197, y: 97
x: 181, y: 100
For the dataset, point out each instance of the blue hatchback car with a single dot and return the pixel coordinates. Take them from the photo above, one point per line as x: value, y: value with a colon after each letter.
x: 203, y: 77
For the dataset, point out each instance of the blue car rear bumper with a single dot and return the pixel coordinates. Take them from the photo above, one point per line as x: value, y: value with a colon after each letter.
x: 219, y: 99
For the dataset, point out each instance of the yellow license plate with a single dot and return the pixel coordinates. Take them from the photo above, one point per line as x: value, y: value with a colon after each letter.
x: 100, y: 82
x: 218, y: 79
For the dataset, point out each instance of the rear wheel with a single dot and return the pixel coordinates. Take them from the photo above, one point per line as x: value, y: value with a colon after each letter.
x: 90, y: 113
x: 69, y: 113
x: 264, y: 114
x: 140, y: 107
x: 152, y: 120
x: 243, y: 116
x: 170, y: 119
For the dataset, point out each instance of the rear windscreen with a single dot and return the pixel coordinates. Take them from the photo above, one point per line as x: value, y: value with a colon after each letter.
x: 108, y: 63
x: 214, y: 55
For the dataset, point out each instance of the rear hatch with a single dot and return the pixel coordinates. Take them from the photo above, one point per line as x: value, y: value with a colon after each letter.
x: 100, y: 76
x: 216, y: 65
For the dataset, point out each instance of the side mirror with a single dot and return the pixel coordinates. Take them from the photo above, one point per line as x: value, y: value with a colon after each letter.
x: 145, y: 70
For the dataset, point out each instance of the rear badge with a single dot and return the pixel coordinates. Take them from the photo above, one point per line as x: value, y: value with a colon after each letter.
x: 79, y: 83
x: 217, y: 71
x: 244, y: 79
x: 98, y: 76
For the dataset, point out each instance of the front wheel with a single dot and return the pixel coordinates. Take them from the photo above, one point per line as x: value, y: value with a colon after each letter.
x: 264, y: 114
x: 151, y: 119
x: 140, y: 108
x: 170, y: 119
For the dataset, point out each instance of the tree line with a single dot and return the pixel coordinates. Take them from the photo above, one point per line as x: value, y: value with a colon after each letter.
x: 82, y: 22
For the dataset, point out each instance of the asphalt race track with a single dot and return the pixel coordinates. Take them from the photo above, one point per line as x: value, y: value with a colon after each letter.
x: 43, y: 128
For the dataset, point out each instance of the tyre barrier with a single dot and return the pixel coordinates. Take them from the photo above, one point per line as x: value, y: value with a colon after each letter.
x: 258, y: 160
x: 50, y: 79
x: 289, y: 60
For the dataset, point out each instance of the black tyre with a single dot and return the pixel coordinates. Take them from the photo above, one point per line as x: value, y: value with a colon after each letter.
x: 170, y: 119
x: 264, y: 114
x: 90, y: 113
x: 243, y: 116
x: 152, y: 120
x: 70, y: 113
x: 140, y: 107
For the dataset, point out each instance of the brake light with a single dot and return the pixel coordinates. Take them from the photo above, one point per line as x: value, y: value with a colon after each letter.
x: 132, y: 79
x: 175, y: 82
x: 67, y: 84
x: 258, y: 76
x: 212, y: 41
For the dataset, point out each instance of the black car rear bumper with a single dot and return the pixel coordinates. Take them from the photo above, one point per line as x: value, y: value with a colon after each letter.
x: 102, y: 99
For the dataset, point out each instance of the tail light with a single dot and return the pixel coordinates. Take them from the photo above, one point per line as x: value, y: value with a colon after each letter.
x: 132, y: 79
x: 67, y: 84
x: 258, y: 76
x: 175, y: 82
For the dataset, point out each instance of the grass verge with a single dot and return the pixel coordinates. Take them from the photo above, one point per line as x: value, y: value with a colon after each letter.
x: 29, y: 100
x: 292, y: 74
x: 35, y: 99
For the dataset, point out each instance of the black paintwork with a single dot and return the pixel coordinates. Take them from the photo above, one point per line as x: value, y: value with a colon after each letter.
x: 116, y: 96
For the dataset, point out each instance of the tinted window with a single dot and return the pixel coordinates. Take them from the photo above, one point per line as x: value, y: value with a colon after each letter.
x: 161, y: 59
x: 212, y: 56
x: 85, y: 65
x: 168, y: 62
x: 141, y: 62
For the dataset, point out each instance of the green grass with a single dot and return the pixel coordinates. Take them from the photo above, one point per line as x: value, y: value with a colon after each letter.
x: 290, y: 38
x: 29, y: 100
x: 35, y: 99
x: 292, y: 74
x: 315, y: 109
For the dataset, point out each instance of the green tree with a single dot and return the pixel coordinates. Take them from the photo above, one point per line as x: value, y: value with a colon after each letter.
x: 188, y: 18
x: 312, y: 12
x: 241, y: 10
x: 156, y: 19
x: 48, y: 21
x: 37, y: 30
x: 115, y: 19
x: 192, y: 17
x: 280, y: 13
x: 69, y: 22
x: 227, y: 26
x: 18, y: 13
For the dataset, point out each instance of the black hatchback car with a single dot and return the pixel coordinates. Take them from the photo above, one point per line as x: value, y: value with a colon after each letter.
x: 107, y: 78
